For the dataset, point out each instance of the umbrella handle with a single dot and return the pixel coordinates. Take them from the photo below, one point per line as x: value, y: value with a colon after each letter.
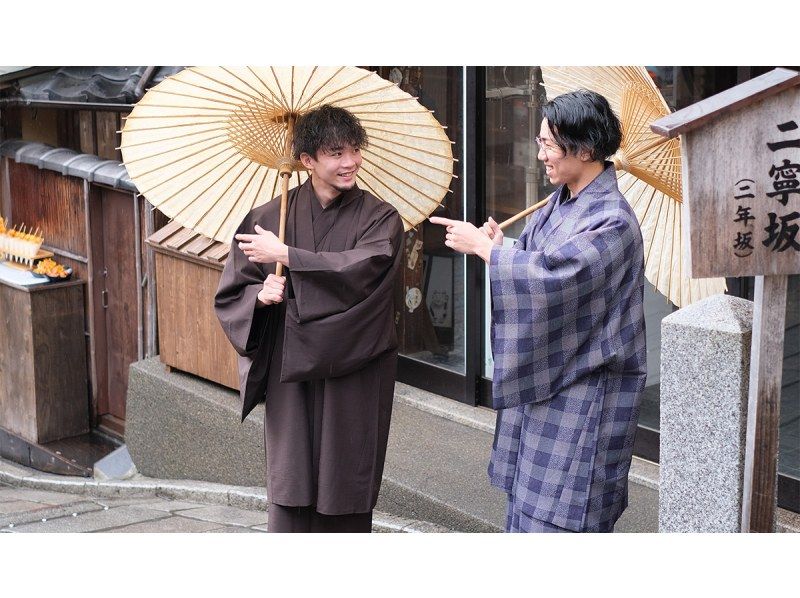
x: 524, y: 213
x: 286, y: 172
x: 284, y: 203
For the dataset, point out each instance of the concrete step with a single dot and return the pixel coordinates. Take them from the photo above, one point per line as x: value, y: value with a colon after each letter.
x: 182, y: 427
x: 436, y: 468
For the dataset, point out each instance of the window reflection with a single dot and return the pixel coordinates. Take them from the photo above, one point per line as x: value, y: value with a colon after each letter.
x: 431, y: 290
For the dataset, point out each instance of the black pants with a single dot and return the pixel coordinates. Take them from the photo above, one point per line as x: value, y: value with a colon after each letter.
x: 282, y: 519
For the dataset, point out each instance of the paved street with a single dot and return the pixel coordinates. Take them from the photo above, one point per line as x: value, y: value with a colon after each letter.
x: 28, y: 510
x: 34, y: 501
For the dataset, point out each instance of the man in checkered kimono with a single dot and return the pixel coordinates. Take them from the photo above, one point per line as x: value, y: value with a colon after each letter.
x: 568, y: 332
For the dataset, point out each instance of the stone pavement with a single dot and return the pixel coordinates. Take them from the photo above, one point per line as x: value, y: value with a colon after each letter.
x: 32, y: 501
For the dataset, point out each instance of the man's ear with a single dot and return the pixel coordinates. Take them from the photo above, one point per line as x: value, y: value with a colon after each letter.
x: 307, y: 161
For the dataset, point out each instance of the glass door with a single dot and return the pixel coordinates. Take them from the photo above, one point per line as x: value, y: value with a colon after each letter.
x: 430, y: 299
x: 513, y: 178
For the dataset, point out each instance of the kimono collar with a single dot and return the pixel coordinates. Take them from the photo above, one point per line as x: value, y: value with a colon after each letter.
x: 343, y: 199
x: 600, y: 185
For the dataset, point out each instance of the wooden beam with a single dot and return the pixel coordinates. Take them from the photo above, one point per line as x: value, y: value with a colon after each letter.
x: 107, y: 141
x: 87, y: 140
x: 735, y: 98
x: 763, y: 409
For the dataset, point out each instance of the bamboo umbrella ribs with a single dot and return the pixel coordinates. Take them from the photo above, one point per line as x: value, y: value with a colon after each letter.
x: 208, y: 144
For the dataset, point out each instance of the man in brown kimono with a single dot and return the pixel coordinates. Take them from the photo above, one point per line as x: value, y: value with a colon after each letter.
x: 320, y: 342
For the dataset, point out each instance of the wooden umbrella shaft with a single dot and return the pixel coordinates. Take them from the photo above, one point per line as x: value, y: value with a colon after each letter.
x: 524, y: 213
x: 285, y: 172
x: 282, y: 227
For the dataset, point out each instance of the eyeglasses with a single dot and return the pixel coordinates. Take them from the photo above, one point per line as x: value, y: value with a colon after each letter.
x: 547, y: 148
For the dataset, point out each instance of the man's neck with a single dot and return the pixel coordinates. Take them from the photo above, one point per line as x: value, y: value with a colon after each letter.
x: 590, y: 173
x: 325, y: 196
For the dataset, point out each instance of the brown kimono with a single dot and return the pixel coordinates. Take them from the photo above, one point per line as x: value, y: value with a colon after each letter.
x: 326, y: 356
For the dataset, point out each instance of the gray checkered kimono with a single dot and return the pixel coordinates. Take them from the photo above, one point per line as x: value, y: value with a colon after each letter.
x: 568, y: 339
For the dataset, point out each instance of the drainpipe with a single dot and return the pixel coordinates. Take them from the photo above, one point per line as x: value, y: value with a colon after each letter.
x: 140, y: 282
x: 95, y: 391
x: 152, y: 319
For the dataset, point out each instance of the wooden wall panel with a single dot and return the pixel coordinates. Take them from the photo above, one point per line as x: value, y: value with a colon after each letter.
x: 43, y: 382
x: 52, y: 202
x: 87, y: 139
x: 107, y: 137
x: 5, y: 189
x: 17, y: 396
x: 40, y: 124
x: 59, y: 345
x: 190, y: 336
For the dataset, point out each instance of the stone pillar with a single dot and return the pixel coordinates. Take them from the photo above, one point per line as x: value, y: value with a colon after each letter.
x: 705, y: 367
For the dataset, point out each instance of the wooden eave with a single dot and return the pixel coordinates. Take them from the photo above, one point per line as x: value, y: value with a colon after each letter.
x: 730, y: 100
x: 184, y: 243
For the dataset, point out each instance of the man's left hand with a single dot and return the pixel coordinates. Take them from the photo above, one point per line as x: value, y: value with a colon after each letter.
x: 263, y: 247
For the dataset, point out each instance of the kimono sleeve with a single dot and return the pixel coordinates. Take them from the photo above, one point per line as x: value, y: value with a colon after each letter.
x: 342, y: 315
x: 553, y: 309
x: 236, y: 299
x: 331, y: 282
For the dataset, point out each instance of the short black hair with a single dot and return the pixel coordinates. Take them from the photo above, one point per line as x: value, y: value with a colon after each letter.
x: 583, y: 121
x: 325, y: 128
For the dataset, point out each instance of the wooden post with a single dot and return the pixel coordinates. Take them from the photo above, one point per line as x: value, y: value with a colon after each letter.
x: 734, y: 192
x: 88, y: 143
x: 763, y: 409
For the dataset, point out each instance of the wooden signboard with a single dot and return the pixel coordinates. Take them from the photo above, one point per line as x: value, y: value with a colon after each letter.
x: 741, y: 177
x: 741, y: 191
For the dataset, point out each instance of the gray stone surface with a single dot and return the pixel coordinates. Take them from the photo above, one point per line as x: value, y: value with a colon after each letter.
x: 248, y: 498
x: 227, y: 515
x: 480, y: 418
x: 436, y: 471
x: 170, y: 525
x: 117, y: 465
x: 19, y: 506
x: 705, y: 357
x: 237, y: 530
x: 100, y: 520
x: 194, y: 490
x: 149, y: 502
x: 49, y: 513
x: 40, y: 496
x: 641, y: 516
x: 179, y: 426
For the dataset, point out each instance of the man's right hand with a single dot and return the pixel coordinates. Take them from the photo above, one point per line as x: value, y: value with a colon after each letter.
x: 492, y: 230
x: 272, y: 291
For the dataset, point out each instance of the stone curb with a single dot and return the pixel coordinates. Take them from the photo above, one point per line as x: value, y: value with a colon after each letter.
x: 642, y: 472
x: 243, y: 497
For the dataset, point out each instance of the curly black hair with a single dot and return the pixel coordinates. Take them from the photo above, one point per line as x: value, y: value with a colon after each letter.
x: 583, y: 121
x: 325, y: 128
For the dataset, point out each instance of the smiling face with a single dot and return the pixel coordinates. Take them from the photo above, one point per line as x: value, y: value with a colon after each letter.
x: 333, y: 171
x: 561, y: 168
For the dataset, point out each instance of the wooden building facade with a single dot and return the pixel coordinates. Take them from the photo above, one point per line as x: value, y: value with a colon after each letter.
x: 61, y: 171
